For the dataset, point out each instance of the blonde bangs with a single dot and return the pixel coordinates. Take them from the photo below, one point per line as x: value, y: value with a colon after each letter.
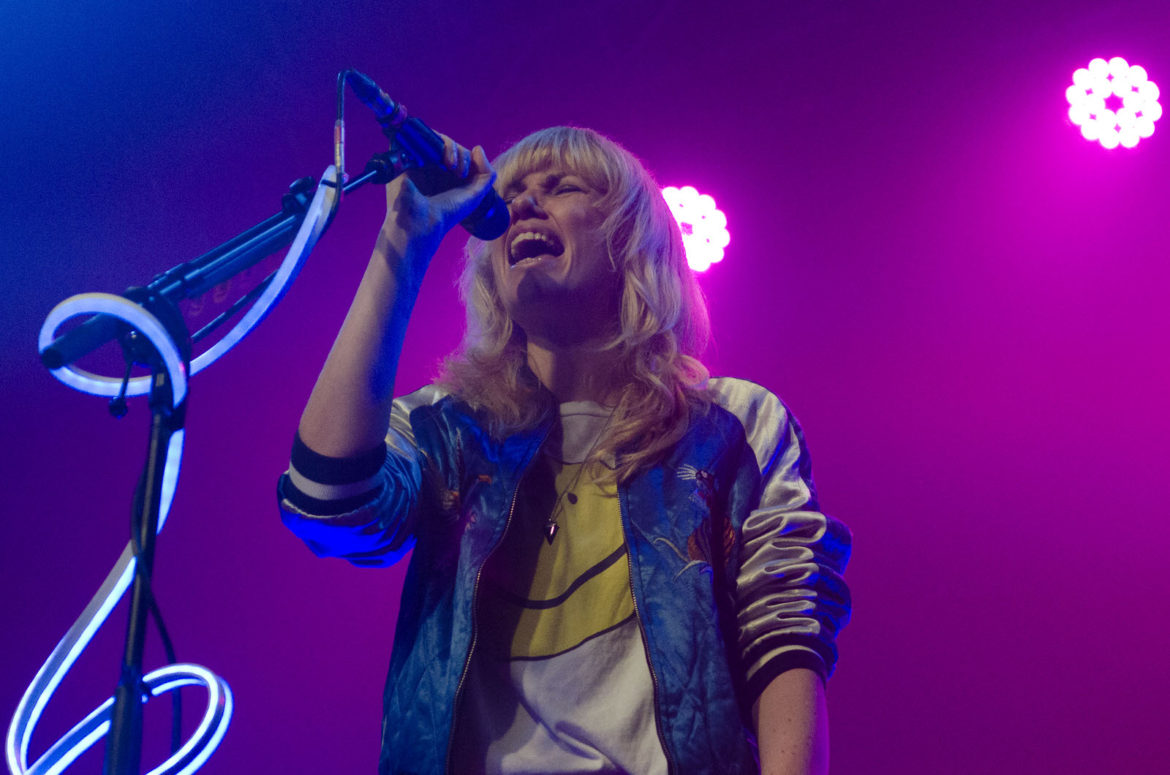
x: 563, y: 148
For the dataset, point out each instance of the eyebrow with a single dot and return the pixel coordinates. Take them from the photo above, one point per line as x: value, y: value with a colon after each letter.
x: 548, y: 181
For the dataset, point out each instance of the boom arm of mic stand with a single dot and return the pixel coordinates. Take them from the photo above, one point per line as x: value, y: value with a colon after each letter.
x: 192, y: 278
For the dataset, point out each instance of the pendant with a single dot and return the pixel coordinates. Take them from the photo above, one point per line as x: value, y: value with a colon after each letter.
x: 550, y: 531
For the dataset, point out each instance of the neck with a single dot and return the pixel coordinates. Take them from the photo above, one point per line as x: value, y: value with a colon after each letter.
x: 575, y: 372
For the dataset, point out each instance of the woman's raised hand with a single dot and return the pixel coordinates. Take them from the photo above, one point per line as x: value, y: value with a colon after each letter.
x: 415, y: 222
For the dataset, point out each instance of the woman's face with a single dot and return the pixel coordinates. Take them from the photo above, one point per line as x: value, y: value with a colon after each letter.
x: 552, y: 268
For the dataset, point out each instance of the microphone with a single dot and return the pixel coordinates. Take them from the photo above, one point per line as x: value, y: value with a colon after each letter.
x: 424, y: 151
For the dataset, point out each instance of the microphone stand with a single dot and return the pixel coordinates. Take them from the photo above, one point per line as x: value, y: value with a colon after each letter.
x: 161, y: 296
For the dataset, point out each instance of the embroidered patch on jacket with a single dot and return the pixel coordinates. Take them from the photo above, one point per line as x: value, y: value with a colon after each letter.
x: 701, y: 550
x: 704, y: 492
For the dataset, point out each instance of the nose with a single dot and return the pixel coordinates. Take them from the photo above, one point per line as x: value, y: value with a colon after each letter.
x: 526, y: 205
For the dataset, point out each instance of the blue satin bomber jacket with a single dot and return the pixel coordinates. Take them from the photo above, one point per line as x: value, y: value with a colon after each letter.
x: 736, y: 575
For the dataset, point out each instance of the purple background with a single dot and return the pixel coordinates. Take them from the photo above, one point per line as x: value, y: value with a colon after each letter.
x: 963, y: 301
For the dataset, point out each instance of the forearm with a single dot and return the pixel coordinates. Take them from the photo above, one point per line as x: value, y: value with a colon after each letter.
x: 792, y: 720
x: 349, y: 408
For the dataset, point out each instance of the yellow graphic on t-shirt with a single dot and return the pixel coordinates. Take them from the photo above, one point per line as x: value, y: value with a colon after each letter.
x: 542, y: 599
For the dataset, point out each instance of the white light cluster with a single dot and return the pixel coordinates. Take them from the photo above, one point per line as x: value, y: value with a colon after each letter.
x: 1135, y: 107
x: 703, y: 225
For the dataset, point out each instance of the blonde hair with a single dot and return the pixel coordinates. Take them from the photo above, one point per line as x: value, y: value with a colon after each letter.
x: 662, y: 325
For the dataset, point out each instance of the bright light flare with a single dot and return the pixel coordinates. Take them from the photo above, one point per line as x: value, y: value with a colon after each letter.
x: 703, y: 225
x: 1113, y: 103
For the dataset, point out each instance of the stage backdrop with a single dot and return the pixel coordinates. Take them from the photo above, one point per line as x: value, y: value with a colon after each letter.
x: 963, y: 301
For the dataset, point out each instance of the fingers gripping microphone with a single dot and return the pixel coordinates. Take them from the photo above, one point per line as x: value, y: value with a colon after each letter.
x: 424, y: 151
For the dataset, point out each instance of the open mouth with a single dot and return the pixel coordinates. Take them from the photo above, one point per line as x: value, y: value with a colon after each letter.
x: 529, y: 246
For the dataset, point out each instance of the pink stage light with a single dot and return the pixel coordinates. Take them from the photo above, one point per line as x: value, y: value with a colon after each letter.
x: 703, y: 225
x: 1113, y: 103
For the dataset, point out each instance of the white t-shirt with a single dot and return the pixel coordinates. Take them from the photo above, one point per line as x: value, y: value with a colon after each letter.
x: 559, y: 680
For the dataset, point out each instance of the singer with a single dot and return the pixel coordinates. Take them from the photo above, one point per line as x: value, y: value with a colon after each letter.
x: 619, y: 563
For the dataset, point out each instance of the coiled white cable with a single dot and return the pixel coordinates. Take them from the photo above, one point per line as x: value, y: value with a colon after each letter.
x: 214, y: 722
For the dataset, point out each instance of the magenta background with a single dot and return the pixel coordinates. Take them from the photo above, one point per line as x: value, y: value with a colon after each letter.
x: 963, y: 301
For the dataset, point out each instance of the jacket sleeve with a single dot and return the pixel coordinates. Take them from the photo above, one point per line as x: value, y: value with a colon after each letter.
x: 791, y: 597
x: 363, y: 508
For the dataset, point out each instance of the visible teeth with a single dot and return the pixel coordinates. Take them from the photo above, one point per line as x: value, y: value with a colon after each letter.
x: 519, y: 248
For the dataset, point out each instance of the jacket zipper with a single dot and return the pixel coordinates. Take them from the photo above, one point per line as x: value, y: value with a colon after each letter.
x: 670, y: 766
x: 475, y: 602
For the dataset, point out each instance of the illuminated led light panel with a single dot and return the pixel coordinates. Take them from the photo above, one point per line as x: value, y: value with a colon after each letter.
x: 1114, y: 103
x: 703, y: 225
